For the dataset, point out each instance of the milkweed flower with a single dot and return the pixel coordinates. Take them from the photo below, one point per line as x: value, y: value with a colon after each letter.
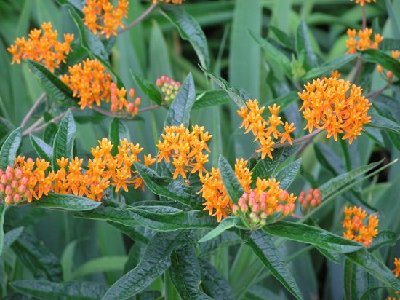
x: 335, y: 105
x: 168, y: 87
x: 101, y: 16
x: 184, y: 149
x: 396, y: 267
x: 13, y: 185
x: 357, y: 227
x: 311, y: 198
x: 43, y: 47
x: 266, y: 132
x: 362, y: 40
x: 362, y: 2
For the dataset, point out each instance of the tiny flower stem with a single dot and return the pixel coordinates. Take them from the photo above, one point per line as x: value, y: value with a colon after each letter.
x: 139, y: 19
x: 37, y: 103
x: 32, y: 129
x: 376, y: 93
x: 123, y: 116
x: 300, y: 140
x: 364, y: 17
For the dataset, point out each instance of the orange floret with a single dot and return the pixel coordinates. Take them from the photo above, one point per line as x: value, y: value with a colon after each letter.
x: 357, y: 228
x: 362, y: 2
x: 396, y: 270
x: 42, y: 47
x: 266, y: 132
x: 363, y: 41
x: 335, y: 105
x: 101, y: 16
x: 311, y: 198
x: 184, y: 149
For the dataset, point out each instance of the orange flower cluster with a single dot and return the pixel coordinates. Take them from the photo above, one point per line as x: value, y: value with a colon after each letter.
x: 13, y: 185
x: 265, y: 131
x: 356, y: 228
x: 311, y: 198
x: 217, y: 201
x: 335, y: 105
x: 363, y: 42
x: 120, y: 103
x: 185, y: 147
x: 168, y: 1
x: 266, y: 200
x: 396, y: 267
x: 362, y: 2
x: 42, y: 47
x: 169, y: 88
x: 101, y: 16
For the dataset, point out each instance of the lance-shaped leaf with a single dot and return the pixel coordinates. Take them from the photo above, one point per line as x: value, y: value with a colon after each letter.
x: 211, y: 98
x: 9, y: 148
x: 303, y: 44
x: 329, y: 66
x: 2, y: 213
x: 118, y: 131
x: 384, y: 238
x: 213, y: 283
x: 148, y: 89
x: 66, y: 202
x: 231, y: 183
x: 385, y: 60
x: 44, y: 150
x: 288, y: 174
x: 224, y: 225
x: 11, y: 236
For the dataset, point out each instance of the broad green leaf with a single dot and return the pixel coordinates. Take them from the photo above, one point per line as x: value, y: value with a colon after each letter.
x: 385, y: 60
x: 64, y: 139
x: 154, y: 262
x: 172, y: 189
x: 44, y: 150
x: 213, y: 283
x: 148, y: 89
x: 54, y: 87
x: 3, y: 208
x: 329, y: 66
x: 384, y: 238
x: 37, y: 258
x: 189, y: 30
x: 303, y: 44
x: 224, y: 225
x: 231, y: 183
x: 185, y: 273
x: 375, y: 267
x: 44, y: 289
x: 118, y: 131
x: 180, y: 108
x: 66, y: 202
x: 288, y: 174
x: 11, y: 236
x: 263, y: 246
x: 211, y: 98
x: 100, y: 265
x: 312, y: 235
x: 9, y: 149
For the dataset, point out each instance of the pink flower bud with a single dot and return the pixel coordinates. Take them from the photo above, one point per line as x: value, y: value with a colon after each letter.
x: 8, y: 199
x: 17, y: 198
x: 24, y: 180
x: 131, y: 107
x: 9, y: 172
x: 14, y: 184
x: 1, y: 188
x: 18, y: 173
x: 4, y: 179
x: 138, y: 100
x: 21, y: 188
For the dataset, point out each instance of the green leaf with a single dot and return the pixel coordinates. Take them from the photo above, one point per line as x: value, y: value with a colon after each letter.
x: 64, y: 139
x: 179, y: 111
x: 231, y: 183
x: 101, y: 265
x: 54, y: 87
x: 37, y: 258
x: 329, y: 66
x: 155, y: 260
x: 333, y: 256
x: 312, y: 235
x: 44, y: 150
x: 213, y: 283
x: 375, y: 267
x: 3, y: 208
x: 148, y: 89
x: 390, y: 44
x: 288, y: 174
x: 384, y: 238
x: 9, y: 149
x: 282, y: 37
x: 175, y: 190
x: 351, y: 287
x: 189, y: 30
x: 185, y: 273
x: 263, y: 246
x: 66, y: 202
x: 44, y: 289
x: 224, y: 225
x: 11, y: 236
x: 385, y: 60
x: 285, y: 100
x: 118, y: 131
x: 379, y: 121
x: 211, y: 98
x: 303, y: 44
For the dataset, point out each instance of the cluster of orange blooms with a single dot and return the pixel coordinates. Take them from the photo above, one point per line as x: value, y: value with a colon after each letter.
x: 266, y: 200
x: 335, y: 105
x: 363, y: 42
x: 30, y: 179
x: 396, y: 267
x: 265, y: 131
x: 186, y: 149
x: 42, y: 47
x: 362, y: 2
x: 101, y: 16
x: 356, y: 227
x: 310, y: 199
x: 168, y: 1
x: 90, y: 82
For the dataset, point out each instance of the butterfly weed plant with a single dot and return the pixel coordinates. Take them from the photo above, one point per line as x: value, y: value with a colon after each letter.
x: 168, y: 179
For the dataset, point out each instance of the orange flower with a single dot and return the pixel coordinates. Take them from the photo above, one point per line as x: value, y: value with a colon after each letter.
x: 311, y: 198
x: 185, y: 148
x: 396, y: 266
x: 335, y: 105
x: 168, y: 87
x: 101, y: 16
x: 362, y: 2
x: 363, y: 42
x: 42, y: 47
x: 356, y: 227
x: 265, y: 131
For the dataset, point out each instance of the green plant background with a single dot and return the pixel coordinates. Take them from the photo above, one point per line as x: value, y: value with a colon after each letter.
x: 96, y: 251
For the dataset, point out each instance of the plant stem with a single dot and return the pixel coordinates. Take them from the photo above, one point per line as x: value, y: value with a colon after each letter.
x: 139, y: 19
x: 364, y: 17
x: 29, y: 114
x: 32, y: 129
x: 377, y: 92
x: 300, y: 140
x: 123, y: 116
